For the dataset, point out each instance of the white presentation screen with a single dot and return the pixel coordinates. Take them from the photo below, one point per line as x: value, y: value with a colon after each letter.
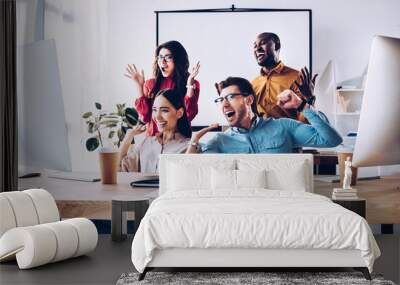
x: 223, y: 43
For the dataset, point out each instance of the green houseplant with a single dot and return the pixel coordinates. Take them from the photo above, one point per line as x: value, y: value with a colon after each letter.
x: 110, y: 126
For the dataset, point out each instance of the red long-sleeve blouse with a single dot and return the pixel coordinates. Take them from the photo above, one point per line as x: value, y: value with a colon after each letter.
x: 144, y: 104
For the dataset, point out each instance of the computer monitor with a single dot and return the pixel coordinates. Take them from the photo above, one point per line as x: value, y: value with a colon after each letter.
x: 378, y: 139
x: 43, y: 135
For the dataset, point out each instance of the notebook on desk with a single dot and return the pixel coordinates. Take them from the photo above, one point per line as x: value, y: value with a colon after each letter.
x: 146, y: 181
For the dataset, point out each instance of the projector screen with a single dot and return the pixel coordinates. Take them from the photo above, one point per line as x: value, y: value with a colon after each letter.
x: 223, y: 43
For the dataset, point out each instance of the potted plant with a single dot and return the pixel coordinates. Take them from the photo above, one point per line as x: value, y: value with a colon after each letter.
x: 107, y: 130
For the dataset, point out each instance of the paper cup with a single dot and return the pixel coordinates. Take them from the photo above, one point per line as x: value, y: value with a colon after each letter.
x: 109, y: 164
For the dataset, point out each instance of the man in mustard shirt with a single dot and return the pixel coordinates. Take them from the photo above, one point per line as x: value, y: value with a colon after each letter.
x: 278, y: 80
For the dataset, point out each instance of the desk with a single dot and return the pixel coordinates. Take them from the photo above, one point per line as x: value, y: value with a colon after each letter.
x: 325, y: 160
x: 121, y: 205
x: 93, y: 199
x: 88, y: 199
x: 382, y: 197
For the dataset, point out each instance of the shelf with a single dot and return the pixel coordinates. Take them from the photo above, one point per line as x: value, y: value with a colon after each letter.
x: 347, y: 106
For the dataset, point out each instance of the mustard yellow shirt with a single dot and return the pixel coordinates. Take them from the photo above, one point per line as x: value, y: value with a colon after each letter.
x: 267, y: 86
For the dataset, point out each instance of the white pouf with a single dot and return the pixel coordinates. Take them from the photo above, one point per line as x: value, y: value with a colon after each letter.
x: 37, y: 245
x: 31, y: 232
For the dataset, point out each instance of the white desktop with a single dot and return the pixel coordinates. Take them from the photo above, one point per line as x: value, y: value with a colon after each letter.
x: 378, y: 139
x: 43, y: 134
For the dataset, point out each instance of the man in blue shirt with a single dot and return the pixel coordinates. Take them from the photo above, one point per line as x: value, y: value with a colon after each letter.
x: 249, y: 133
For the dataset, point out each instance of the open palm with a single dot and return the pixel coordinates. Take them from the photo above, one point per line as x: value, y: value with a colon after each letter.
x: 133, y: 74
x: 306, y: 84
x: 193, y: 74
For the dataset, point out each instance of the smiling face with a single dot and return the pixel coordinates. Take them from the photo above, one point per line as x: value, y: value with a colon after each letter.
x: 166, y: 62
x: 265, y: 51
x: 238, y: 110
x: 165, y: 114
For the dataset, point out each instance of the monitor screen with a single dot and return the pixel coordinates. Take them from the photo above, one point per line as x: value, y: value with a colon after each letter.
x: 43, y: 134
x: 378, y: 140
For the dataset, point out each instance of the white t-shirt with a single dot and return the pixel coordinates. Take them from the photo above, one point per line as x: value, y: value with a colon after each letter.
x: 144, y: 156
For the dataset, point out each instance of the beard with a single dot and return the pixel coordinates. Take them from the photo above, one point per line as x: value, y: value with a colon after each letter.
x: 268, y: 62
x: 241, y: 115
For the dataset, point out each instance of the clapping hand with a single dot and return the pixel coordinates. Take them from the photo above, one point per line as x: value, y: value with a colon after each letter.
x: 306, y: 84
x: 193, y: 74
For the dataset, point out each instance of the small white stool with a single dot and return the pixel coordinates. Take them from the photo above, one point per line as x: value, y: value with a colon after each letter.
x: 31, y: 231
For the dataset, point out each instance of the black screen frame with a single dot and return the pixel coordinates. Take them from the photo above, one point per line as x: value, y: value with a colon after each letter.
x: 233, y: 9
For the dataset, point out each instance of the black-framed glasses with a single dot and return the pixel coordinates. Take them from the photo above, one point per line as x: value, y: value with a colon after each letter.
x: 229, y: 97
x: 167, y: 57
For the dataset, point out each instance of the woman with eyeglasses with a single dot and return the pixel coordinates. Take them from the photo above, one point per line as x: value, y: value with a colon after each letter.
x: 168, y: 112
x: 170, y: 71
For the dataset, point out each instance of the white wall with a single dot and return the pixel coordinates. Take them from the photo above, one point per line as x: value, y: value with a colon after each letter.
x: 97, y: 38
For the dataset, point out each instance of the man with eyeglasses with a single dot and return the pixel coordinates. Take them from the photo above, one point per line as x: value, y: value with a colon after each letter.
x: 250, y: 133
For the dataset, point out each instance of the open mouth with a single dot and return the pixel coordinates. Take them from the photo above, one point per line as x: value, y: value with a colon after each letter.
x: 162, y: 124
x: 230, y: 114
x: 260, y: 55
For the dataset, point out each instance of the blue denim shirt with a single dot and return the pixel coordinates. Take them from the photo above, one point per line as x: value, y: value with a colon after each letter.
x: 276, y: 136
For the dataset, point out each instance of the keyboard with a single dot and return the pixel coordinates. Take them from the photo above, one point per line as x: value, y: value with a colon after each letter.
x: 79, y: 176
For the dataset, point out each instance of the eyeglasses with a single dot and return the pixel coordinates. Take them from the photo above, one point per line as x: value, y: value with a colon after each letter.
x: 229, y: 97
x: 167, y: 58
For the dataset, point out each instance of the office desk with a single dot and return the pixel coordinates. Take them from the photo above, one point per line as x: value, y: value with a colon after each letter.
x: 382, y: 197
x: 88, y: 199
x: 93, y: 199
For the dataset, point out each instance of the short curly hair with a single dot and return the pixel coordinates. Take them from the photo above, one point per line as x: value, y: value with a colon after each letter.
x: 271, y: 36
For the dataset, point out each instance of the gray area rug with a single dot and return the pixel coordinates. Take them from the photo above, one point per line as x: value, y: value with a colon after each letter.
x: 232, y: 278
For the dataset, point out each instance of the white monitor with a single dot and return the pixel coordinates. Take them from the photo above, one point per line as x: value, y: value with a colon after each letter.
x: 42, y: 128
x: 378, y: 139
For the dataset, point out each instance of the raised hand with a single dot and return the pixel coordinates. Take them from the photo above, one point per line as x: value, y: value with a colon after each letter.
x: 288, y: 100
x: 136, y: 76
x: 218, y: 88
x: 193, y: 74
x: 136, y: 130
x: 197, y: 136
x: 306, y: 84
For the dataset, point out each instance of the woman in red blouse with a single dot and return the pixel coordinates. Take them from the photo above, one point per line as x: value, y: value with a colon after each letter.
x: 170, y: 71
